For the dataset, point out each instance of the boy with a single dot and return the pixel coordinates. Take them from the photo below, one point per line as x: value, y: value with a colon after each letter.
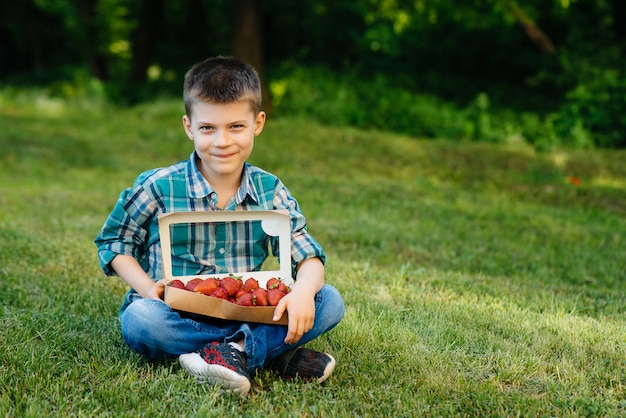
x: 222, y: 98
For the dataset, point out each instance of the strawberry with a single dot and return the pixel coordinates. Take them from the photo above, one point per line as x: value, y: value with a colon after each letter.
x: 177, y: 284
x: 231, y: 285
x: 259, y: 297
x: 219, y: 293
x: 250, y: 285
x: 191, y: 284
x: 239, y: 293
x: 272, y: 283
x: 273, y: 296
x: 245, y: 300
x: 207, y: 286
x: 283, y: 287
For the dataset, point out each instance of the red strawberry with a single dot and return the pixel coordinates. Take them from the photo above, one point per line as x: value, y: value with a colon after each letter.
x: 177, y: 284
x: 273, y: 296
x: 245, y: 300
x: 272, y: 283
x: 207, y: 286
x: 250, y: 285
x: 283, y: 287
x: 259, y: 297
x: 219, y: 293
x: 191, y: 284
x: 231, y: 285
x: 239, y: 293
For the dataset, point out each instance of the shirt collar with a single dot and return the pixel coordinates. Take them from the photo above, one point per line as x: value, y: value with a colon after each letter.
x: 198, y: 187
x: 247, y: 187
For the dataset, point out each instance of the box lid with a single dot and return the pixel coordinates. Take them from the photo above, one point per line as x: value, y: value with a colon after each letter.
x: 274, y: 223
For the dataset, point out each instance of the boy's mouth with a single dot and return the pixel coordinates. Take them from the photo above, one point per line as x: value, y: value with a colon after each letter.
x: 223, y: 156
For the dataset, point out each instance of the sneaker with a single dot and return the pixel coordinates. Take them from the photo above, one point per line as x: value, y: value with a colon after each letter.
x: 304, y: 363
x: 218, y: 364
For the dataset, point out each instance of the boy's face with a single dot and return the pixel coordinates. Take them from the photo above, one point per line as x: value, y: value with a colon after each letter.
x: 223, y: 136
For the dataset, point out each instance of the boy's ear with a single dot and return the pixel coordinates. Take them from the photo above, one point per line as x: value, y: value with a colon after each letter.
x: 187, y: 126
x: 259, y: 123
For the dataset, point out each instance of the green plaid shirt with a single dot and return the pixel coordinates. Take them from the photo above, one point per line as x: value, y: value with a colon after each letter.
x: 211, y: 248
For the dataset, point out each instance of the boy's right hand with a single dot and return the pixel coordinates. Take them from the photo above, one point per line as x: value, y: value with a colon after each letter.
x: 156, y: 290
x: 301, y: 308
x: 129, y: 269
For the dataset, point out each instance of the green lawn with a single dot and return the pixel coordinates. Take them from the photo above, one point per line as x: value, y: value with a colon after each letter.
x: 478, y: 279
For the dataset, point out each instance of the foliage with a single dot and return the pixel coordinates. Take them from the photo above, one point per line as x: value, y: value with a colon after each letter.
x: 558, y: 64
x: 346, y: 100
x: 479, y: 279
x: 598, y: 104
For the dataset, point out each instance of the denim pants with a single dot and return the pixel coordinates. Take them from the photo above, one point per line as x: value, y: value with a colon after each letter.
x: 153, y: 329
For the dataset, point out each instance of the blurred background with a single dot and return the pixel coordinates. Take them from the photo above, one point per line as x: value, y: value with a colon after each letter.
x: 550, y: 73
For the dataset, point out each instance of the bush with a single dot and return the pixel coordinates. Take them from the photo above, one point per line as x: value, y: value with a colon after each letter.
x: 345, y: 99
x: 596, y: 108
x: 594, y: 113
x: 370, y: 104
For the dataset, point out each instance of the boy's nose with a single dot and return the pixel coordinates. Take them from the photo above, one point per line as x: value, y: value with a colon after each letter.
x: 222, y: 139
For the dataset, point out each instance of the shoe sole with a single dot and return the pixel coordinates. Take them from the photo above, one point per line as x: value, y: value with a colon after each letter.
x: 328, y: 370
x: 214, y: 374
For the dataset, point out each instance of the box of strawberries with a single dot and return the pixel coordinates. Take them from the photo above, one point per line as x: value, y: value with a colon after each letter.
x: 238, y: 296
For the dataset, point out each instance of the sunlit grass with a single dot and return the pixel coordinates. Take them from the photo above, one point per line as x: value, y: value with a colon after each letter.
x: 478, y: 279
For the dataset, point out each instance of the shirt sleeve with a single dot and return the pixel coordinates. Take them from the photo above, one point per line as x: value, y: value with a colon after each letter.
x: 126, y: 231
x: 303, y: 245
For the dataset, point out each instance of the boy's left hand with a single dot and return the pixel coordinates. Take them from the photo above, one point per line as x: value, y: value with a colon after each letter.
x: 300, y: 305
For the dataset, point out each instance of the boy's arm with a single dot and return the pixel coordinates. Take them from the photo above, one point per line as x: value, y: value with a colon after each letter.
x: 131, y: 272
x: 300, y: 302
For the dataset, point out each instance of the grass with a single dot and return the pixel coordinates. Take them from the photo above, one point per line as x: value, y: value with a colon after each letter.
x: 479, y: 279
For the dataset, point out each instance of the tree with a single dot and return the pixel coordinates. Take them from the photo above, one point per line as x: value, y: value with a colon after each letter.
x: 31, y: 36
x: 534, y: 32
x: 247, y: 40
x: 619, y: 17
x: 92, y: 30
x: 144, y: 39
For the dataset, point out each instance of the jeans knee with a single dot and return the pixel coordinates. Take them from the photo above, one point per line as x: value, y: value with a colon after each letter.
x: 138, y: 322
x: 332, y: 307
x: 144, y: 310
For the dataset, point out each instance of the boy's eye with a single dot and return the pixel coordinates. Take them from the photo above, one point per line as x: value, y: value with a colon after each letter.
x: 206, y: 128
x: 237, y: 126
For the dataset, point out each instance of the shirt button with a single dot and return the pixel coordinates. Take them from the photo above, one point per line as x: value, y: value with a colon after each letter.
x: 222, y: 250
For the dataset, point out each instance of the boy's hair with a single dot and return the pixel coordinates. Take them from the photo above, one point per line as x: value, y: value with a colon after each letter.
x: 222, y: 80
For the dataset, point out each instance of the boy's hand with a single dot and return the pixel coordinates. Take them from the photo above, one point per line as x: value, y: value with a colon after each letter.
x: 156, y: 290
x: 300, y: 302
x: 301, y: 308
x: 129, y: 269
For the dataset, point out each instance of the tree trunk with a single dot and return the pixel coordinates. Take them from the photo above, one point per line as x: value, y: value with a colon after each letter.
x: 534, y: 32
x: 619, y: 17
x: 145, y: 38
x: 248, y: 39
x: 31, y: 29
x: 97, y: 61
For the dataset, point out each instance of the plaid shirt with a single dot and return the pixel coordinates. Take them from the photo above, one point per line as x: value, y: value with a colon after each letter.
x: 132, y: 228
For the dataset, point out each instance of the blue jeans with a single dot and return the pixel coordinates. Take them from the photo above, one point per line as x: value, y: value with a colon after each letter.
x: 153, y: 329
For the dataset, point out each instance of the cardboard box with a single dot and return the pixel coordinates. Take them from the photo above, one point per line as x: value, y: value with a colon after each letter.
x: 273, y: 222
